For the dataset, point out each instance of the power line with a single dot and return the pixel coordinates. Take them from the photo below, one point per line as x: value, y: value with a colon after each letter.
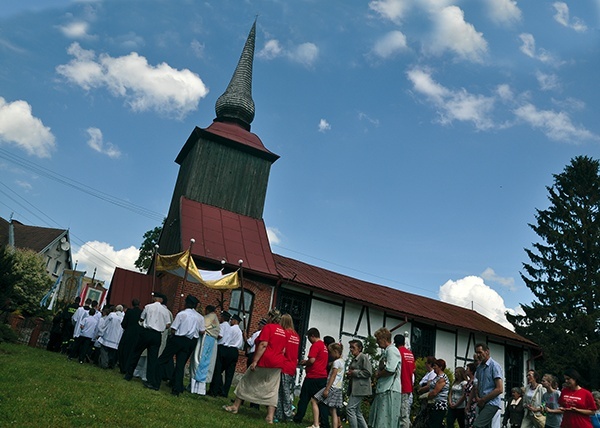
x: 100, y: 257
x: 66, y: 181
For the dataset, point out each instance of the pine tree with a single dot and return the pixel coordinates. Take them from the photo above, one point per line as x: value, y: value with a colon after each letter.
x: 564, y: 274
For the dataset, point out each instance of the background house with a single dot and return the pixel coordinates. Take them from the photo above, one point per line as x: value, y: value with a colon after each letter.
x: 53, y: 245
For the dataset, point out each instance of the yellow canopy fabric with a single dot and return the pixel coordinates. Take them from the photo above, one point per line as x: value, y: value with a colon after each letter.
x: 176, y: 264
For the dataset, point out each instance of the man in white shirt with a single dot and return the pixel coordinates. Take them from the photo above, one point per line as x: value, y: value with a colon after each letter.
x: 216, y: 384
x: 87, y: 331
x: 185, y: 331
x: 231, y: 348
x: 78, y: 316
x: 155, y: 319
x: 109, y: 336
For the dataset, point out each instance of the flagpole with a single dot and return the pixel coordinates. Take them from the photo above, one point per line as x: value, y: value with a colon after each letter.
x: 241, y: 262
x: 187, y: 268
x: 154, y: 266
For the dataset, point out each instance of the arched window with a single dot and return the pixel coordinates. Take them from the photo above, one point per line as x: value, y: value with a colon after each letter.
x: 240, y: 306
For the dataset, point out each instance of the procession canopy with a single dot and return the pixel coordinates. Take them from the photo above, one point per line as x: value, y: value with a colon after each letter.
x: 178, y: 264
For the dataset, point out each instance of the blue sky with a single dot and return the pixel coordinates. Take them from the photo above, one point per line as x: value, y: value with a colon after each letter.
x: 417, y: 137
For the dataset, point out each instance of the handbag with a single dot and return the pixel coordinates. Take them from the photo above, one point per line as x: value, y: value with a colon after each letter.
x: 539, y: 420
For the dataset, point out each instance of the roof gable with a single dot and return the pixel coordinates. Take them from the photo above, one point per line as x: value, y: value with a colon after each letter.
x: 31, y: 237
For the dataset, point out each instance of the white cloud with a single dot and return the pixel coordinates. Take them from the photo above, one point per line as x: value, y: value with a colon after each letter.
x: 471, y: 291
x: 271, y: 50
x: 364, y: 116
x: 505, y: 92
x: 104, y: 258
x: 324, y: 125
x: 161, y: 88
x: 529, y: 49
x: 96, y: 142
x: 24, y: 185
x: 453, y: 104
x: 129, y: 41
x: 390, y: 44
x: 547, y: 82
x: 8, y: 45
x: 393, y: 10
x: 557, y: 126
x: 75, y: 30
x: 198, y: 48
x: 490, y: 275
x: 306, y: 54
x: 562, y: 17
x: 18, y: 126
x: 274, y: 235
x: 452, y: 33
x: 504, y: 11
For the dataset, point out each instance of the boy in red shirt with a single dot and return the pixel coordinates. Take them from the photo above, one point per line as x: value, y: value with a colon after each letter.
x: 406, y: 379
x: 316, y: 376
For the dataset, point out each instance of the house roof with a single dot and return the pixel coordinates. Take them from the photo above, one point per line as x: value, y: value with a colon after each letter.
x: 32, y: 237
x: 391, y: 300
x: 220, y: 234
x: 127, y: 285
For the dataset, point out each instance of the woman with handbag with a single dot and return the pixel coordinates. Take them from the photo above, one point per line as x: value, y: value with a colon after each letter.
x: 532, y: 402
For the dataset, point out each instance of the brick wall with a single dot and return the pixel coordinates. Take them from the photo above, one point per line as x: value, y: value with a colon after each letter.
x: 173, y: 288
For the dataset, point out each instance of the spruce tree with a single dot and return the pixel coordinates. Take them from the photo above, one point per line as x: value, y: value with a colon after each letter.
x: 563, y: 273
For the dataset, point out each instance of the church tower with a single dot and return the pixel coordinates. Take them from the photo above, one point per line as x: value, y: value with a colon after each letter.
x: 224, y: 165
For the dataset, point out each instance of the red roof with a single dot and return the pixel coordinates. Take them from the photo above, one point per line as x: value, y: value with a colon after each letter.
x: 222, y: 234
x: 391, y: 300
x: 127, y: 285
x: 230, y: 134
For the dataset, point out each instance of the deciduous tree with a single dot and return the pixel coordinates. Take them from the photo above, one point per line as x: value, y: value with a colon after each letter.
x: 26, y: 284
x: 147, y: 249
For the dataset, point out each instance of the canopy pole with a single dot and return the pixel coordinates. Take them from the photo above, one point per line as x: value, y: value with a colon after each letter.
x: 187, y: 268
x: 154, y: 266
x: 241, y: 262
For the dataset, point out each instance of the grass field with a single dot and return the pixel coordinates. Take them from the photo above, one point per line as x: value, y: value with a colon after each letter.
x: 43, y: 389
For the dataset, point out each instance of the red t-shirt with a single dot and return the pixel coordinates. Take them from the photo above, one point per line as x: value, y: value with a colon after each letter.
x: 407, y: 370
x: 581, y: 399
x: 291, y: 353
x: 276, y: 340
x: 318, y: 369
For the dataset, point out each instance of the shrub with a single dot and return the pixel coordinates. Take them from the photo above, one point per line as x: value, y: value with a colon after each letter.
x: 7, y: 334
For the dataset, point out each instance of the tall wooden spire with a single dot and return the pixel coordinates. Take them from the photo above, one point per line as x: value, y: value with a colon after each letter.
x: 225, y: 165
x: 236, y: 104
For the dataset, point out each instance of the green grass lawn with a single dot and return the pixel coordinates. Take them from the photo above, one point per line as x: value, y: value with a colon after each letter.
x: 43, y: 389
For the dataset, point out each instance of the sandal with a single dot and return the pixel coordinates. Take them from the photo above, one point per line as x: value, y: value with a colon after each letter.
x: 230, y: 409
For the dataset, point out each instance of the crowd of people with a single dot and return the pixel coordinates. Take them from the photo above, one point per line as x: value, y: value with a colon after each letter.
x: 155, y: 346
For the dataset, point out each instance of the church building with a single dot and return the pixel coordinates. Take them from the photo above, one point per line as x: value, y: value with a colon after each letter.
x: 218, y: 203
